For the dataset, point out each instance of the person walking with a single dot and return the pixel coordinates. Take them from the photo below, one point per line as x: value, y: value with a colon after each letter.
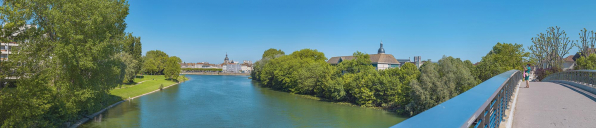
x: 527, y: 75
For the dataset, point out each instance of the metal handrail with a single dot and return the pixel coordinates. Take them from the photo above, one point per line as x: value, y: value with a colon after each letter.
x: 482, y: 106
x: 586, y: 77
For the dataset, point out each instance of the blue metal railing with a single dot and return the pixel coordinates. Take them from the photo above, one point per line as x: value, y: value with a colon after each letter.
x: 482, y: 106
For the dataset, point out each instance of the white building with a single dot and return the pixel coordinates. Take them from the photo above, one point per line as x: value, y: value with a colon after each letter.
x: 380, y: 60
x: 232, y: 68
x: 6, y: 50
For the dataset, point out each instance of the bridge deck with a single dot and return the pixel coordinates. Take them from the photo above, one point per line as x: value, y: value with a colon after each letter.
x: 547, y: 105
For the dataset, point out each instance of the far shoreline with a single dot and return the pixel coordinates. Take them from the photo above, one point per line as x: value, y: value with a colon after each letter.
x: 217, y: 74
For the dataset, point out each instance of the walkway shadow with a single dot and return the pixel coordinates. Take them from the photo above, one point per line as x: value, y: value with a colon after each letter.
x: 578, y: 90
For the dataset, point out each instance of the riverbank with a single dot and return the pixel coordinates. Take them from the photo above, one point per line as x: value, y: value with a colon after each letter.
x: 216, y: 73
x: 146, y: 85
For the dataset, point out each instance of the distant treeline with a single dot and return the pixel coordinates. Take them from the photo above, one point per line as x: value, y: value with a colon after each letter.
x: 406, y: 90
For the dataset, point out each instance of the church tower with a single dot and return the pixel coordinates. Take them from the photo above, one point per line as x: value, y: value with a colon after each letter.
x: 226, y: 60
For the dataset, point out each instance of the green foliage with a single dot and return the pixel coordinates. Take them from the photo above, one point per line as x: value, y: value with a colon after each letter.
x: 128, y: 66
x: 361, y: 63
x: 172, y: 69
x: 150, y: 66
x: 132, y: 46
x: 307, y: 72
x: 586, y: 63
x: 159, y: 58
x: 272, y: 53
x: 439, y: 83
x: 68, y: 65
x: 503, y: 57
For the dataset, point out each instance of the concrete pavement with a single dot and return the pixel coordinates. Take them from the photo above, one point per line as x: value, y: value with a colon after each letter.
x: 554, y: 105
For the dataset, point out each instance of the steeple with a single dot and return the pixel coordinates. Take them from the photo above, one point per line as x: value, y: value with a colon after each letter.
x: 226, y: 60
x: 381, y: 50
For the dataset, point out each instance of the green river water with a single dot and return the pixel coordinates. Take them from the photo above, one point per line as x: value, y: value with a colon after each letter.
x: 235, y: 101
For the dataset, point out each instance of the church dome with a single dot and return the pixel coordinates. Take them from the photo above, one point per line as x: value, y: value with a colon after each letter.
x: 381, y: 50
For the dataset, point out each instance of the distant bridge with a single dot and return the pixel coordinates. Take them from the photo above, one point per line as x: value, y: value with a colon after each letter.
x: 564, y: 99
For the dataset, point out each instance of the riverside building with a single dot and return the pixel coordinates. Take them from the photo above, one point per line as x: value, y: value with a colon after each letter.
x: 380, y: 60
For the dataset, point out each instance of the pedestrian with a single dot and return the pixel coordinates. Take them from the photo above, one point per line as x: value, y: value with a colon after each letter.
x: 527, y: 75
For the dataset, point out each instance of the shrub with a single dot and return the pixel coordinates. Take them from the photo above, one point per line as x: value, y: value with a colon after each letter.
x: 541, y: 73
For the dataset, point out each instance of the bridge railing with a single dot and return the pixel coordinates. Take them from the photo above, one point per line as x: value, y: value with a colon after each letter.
x: 482, y: 106
x: 586, y: 77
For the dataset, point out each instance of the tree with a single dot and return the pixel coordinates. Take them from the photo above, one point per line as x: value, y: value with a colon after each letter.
x: 503, y: 57
x: 160, y: 59
x: 272, y: 53
x: 172, y: 70
x: 128, y: 67
x: 360, y: 63
x: 428, y: 91
x: 586, y: 63
x: 550, y: 48
x: 456, y: 75
x: 439, y: 83
x: 132, y: 46
x: 150, y: 66
x: 586, y: 42
x: 66, y: 60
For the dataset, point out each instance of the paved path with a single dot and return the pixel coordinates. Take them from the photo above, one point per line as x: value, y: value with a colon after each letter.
x: 554, y: 105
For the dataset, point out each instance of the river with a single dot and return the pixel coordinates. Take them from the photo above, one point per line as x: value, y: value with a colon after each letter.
x: 235, y: 101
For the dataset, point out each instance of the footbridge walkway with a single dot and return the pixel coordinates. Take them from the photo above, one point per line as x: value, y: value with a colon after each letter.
x: 565, y: 99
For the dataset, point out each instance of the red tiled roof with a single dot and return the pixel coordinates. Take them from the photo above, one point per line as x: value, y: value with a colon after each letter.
x: 569, y: 59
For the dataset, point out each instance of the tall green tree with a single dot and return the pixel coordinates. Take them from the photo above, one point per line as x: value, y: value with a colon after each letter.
x: 172, y: 70
x: 67, y: 65
x: 132, y: 45
x: 428, y: 91
x: 160, y: 59
x: 503, y: 57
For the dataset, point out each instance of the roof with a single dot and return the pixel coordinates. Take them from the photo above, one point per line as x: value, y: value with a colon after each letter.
x: 374, y: 58
x: 569, y: 59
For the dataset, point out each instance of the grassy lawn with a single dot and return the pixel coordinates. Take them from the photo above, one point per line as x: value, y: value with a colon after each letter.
x: 149, y: 83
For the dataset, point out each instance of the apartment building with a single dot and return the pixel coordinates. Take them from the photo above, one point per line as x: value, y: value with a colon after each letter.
x: 6, y: 50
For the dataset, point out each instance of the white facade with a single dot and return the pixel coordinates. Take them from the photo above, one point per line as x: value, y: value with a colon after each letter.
x: 382, y: 66
x: 568, y: 65
x: 245, y: 69
x: 231, y: 68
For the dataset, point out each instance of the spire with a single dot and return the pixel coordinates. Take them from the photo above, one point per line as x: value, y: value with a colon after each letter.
x: 381, y: 50
x: 226, y: 60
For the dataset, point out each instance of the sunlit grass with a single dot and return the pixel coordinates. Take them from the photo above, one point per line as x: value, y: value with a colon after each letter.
x: 149, y: 83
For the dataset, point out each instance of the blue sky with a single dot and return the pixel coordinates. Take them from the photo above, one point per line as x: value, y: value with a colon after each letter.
x: 203, y: 31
